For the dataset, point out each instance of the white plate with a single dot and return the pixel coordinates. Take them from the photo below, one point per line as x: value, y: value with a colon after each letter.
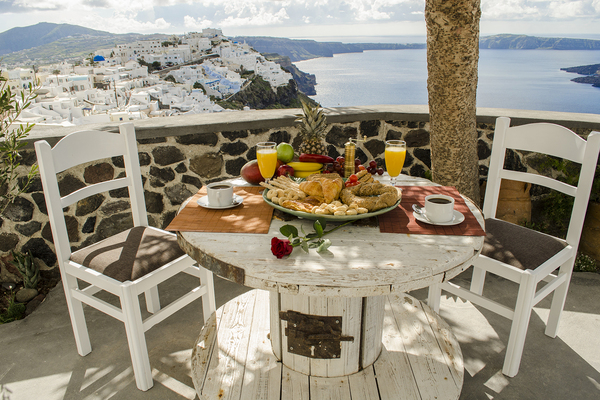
x: 203, y: 202
x: 457, y: 219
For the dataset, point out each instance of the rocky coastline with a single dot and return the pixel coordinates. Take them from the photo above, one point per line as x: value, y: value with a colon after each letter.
x: 591, y: 74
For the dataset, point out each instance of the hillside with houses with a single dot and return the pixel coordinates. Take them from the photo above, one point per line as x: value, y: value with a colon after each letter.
x: 187, y: 74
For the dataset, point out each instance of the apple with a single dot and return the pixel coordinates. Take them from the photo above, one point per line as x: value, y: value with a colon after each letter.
x: 251, y: 173
x: 285, y: 152
x: 285, y: 170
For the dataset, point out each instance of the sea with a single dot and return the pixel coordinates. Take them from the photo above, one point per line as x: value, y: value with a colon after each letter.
x: 513, y: 79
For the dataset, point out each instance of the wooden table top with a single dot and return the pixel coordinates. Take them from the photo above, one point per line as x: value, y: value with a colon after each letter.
x: 360, y: 262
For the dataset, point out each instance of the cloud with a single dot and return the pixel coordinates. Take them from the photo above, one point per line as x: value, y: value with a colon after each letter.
x: 21, y: 6
x: 539, y: 10
x: 255, y: 17
x: 194, y: 24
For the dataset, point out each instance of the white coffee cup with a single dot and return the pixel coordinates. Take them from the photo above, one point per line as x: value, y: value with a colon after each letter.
x: 439, y: 208
x: 220, y: 194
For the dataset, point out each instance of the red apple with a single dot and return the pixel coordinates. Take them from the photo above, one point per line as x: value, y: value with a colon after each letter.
x: 285, y: 170
x: 251, y: 173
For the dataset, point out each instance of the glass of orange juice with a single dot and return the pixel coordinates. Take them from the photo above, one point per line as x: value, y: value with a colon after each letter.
x: 266, y: 155
x: 395, y: 153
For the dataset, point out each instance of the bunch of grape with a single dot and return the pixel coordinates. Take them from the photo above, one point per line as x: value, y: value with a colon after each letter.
x: 372, y: 168
x: 338, y: 166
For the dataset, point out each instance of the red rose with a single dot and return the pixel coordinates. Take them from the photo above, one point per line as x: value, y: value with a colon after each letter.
x: 281, y: 248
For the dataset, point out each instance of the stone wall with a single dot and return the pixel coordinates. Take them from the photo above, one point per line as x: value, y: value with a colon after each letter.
x: 181, y: 154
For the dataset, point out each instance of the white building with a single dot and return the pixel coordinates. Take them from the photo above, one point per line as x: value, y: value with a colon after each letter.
x: 272, y: 73
x: 197, y: 42
x: 19, y: 78
x: 212, y: 33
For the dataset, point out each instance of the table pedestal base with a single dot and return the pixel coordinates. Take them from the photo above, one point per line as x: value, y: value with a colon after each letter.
x: 233, y: 357
x: 326, y: 336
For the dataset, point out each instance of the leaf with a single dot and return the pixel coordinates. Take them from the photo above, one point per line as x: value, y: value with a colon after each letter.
x: 304, y: 246
x: 289, y: 230
x: 318, y: 228
x: 324, y: 245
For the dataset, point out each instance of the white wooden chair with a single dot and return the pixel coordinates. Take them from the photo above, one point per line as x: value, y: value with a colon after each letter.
x: 522, y: 255
x: 130, y: 263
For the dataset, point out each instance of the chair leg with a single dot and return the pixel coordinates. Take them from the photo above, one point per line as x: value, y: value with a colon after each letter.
x: 152, y: 300
x: 433, y: 297
x: 80, y: 331
x: 208, y: 300
x: 558, y: 299
x: 135, y: 337
x: 520, y: 323
x: 477, y: 280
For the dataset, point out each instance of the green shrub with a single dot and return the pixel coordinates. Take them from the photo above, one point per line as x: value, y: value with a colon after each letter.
x: 14, y: 311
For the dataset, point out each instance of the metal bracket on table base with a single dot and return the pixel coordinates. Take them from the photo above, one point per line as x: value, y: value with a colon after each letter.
x: 314, y: 336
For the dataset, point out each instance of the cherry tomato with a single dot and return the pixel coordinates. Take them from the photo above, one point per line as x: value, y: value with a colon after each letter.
x: 349, y: 183
x: 353, y: 178
x: 361, y: 167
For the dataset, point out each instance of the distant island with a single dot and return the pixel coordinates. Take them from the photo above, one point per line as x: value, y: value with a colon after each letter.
x: 523, y: 42
x: 591, y: 72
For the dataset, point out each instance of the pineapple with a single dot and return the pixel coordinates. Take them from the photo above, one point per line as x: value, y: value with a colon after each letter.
x: 312, y: 130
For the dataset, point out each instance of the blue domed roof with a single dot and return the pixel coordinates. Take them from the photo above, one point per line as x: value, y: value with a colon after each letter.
x: 98, y: 58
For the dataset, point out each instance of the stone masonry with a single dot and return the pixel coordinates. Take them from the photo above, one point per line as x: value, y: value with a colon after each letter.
x: 183, y: 154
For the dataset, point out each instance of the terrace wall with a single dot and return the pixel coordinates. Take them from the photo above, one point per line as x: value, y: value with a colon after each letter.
x: 178, y: 155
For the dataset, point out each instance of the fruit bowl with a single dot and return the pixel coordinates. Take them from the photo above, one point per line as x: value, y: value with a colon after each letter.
x: 332, y: 218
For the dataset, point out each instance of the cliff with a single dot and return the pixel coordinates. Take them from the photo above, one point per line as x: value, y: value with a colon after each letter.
x: 523, y: 42
x: 259, y: 95
x: 306, y: 82
x: 298, y: 50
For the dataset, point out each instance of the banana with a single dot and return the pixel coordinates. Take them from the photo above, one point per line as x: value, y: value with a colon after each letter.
x: 305, y: 166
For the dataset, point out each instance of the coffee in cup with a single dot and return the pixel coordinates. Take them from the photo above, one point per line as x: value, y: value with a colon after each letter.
x: 439, y: 208
x: 220, y: 194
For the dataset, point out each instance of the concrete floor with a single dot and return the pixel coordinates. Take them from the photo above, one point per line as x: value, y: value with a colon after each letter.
x: 38, y: 359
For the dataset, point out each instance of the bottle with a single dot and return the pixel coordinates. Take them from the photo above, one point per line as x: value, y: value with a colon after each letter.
x: 350, y: 155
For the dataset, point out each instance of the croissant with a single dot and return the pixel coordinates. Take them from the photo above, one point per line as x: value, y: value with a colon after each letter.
x: 323, y: 187
x: 312, y: 188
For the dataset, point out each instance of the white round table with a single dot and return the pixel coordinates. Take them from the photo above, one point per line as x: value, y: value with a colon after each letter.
x: 328, y: 310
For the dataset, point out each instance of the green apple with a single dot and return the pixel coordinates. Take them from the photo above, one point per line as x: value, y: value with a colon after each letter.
x: 285, y: 152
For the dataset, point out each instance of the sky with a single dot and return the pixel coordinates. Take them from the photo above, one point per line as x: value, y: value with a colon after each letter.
x: 299, y: 18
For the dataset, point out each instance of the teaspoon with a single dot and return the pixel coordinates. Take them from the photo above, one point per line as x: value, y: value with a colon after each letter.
x: 419, y: 211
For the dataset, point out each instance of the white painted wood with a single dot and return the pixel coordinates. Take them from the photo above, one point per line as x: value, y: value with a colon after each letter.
x: 361, y: 261
x: 349, y: 310
x: 87, y: 146
x: 329, y: 389
x: 372, y: 328
x: 203, y: 349
x: 262, y: 375
x: 227, y: 363
x: 294, y: 385
x: 391, y: 377
x: 293, y: 361
x: 448, y: 345
x: 275, y: 324
x: 428, y: 364
x: 363, y: 385
x: 319, y: 306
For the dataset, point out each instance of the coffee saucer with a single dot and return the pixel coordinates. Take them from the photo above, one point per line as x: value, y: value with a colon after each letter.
x: 456, y: 219
x: 203, y: 202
